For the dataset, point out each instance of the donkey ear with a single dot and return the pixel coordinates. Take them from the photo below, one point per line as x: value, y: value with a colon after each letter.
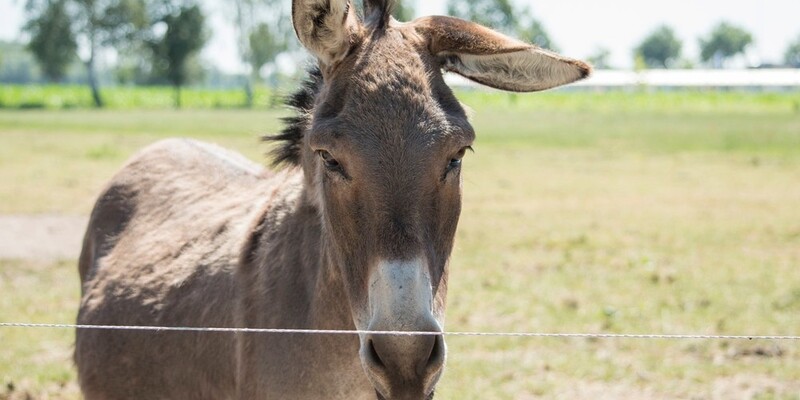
x: 496, y: 60
x: 327, y: 28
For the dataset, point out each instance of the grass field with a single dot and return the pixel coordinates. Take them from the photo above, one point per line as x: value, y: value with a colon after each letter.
x: 583, y: 212
x: 124, y: 97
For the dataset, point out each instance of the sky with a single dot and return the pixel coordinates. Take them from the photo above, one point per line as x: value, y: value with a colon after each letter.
x: 578, y: 27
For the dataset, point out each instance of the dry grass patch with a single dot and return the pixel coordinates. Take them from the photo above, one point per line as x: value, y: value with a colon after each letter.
x: 37, y: 363
x: 676, y: 215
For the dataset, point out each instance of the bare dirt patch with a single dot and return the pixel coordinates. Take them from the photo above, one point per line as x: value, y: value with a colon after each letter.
x: 41, y: 237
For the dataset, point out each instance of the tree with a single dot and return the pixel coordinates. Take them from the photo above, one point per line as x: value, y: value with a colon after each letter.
x: 264, y: 47
x: 19, y: 66
x: 265, y: 24
x: 502, y: 15
x: 600, y: 58
x: 109, y: 23
x: 184, y: 36
x: 243, y: 21
x: 96, y: 24
x: 403, y: 11
x: 724, y: 42
x: 52, y: 42
x: 532, y: 31
x: 660, y: 48
x: 497, y: 14
x: 792, y: 55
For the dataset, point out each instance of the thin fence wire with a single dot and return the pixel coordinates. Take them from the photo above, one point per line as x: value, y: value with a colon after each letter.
x: 398, y: 333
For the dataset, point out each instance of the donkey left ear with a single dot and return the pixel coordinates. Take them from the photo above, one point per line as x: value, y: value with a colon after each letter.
x: 327, y: 28
x: 496, y: 60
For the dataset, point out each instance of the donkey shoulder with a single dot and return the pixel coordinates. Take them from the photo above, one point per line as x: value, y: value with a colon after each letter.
x: 174, y: 196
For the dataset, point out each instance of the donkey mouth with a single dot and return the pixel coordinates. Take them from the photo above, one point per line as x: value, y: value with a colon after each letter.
x: 379, y: 396
x: 402, y: 378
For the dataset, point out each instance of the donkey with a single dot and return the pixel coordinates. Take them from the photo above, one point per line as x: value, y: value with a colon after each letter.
x: 355, y: 234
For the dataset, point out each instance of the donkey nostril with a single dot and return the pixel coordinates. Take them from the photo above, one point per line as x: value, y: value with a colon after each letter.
x: 374, y: 356
x: 403, y: 363
x: 437, y: 352
x: 435, y: 356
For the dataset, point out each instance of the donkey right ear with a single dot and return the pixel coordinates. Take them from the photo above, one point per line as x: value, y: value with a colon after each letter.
x: 327, y: 28
x: 496, y: 60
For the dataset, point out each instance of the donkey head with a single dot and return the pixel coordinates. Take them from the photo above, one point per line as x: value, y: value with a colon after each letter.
x: 381, y: 148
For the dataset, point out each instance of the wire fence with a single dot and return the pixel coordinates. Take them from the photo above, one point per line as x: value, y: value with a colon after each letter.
x: 398, y: 333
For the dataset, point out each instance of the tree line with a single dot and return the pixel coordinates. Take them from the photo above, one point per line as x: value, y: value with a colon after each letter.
x: 663, y: 49
x: 157, y: 41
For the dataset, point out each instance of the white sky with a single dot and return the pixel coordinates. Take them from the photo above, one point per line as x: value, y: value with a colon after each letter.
x: 578, y: 27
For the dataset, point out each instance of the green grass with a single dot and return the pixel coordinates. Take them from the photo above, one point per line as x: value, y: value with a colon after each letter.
x: 38, y: 362
x: 158, y: 97
x: 587, y: 242
x: 628, y: 213
x: 123, y: 97
x: 57, y: 161
x: 660, y: 102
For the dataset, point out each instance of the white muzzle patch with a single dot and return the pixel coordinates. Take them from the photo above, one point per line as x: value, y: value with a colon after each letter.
x: 400, y: 295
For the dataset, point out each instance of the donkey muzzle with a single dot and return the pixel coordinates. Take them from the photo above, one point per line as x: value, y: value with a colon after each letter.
x: 402, y: 366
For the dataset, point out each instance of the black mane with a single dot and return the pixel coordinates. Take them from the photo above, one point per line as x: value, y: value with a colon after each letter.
x: 290, y: 139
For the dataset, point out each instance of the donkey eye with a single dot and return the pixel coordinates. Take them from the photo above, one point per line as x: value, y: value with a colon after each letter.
x: 329, y: 161
x: 455, y: 161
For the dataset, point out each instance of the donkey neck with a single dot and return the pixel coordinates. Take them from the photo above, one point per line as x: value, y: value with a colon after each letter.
x: 286, y: 266
x: 287, y: 281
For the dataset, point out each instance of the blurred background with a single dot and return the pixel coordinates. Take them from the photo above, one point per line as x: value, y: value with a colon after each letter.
x: 250, y: 45
x: 662, y: 195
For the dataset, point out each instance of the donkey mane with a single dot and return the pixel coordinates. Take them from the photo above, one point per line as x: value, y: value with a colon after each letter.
x: 290, y: 139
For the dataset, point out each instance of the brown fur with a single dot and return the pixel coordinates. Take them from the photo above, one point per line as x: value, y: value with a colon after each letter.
x: 188, y: 234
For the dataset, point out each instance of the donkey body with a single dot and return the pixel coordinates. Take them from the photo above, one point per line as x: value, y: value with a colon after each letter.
x: 163, y: 248
x: 355, y: 234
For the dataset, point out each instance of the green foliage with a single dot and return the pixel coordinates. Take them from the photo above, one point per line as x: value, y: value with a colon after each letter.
x: 185, y: 35
x: 121, y: 22
x: 610, y: 103
x: 660, y: 48
x: 126, y: 98
x: 600, y: 58
x: 496, y: 14
x: 725, y: 41
x: 263, y: 31
x: 265, y: 46
x: 155, y: 97
x: 505, y: 17
x: 531, y: 30
x: 403, y: 11
x: 52, y: 40
x: 792, y: 54
x: 18, y: 64
x: 98, y: 24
